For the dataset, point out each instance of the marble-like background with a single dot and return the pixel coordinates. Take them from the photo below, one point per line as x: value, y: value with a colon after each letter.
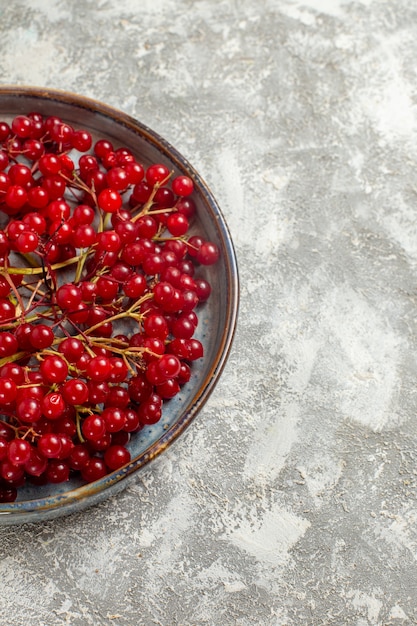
x: 291, y: 500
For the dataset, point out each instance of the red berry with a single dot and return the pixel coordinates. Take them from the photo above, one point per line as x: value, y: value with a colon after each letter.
x: 54, y: 369
x: 108, y: 241
x: 68, y: 296
x: 83, y: 214
x: 21, y: 175
x: 134, y: 171
x: 4, y: 160
x: 22, y: 126
x: 35, y: 221
x: 62, y: 133
x: 114, y: 419
x: 93, y: 427
x: 33, y: 149
x: 41, y: 336
x: 150, y: 411
x: 155, y: 325
x: 84, y: 236
x: 98, y: 368
x: 16, y: 197
x: 81, y: 140
x: 135, y: 286
x: 19, y: 451
x: 116, y: 456
x: 49, y: 164
x: 168, y: 389
x: 169, y: 365
x: 11, y: 473
x: 78, y: 457
x: 28, y: 410
x: 202, y: 289
x: 87, y: 164
x: 177, y: 224
x: 53, y: 406
x: 50, y: 445
x: 109, y: 200
x: 208, y: 253
x: 156, y: 173
x: 141, y: 193
x: 57, y: 471
x: 72, y: 349
x: 7, y: 310
x: 94, y: 469
x: 182, y: 186
x: 8, y: 344
x: 4, y: 131
x: 117, y: 178
x: 8, y: 494
x: 164, y: 198
x: 36, y: 464
x: 75, y: 391
x: 8, y: 391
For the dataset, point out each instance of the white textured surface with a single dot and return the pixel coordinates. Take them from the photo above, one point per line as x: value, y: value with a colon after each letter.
x: 292, y: 499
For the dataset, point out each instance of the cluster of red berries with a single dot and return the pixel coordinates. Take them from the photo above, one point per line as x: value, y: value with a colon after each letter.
x: 98, y: 299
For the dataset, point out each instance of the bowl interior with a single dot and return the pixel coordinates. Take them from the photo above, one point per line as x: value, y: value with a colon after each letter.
x: 217, y: 317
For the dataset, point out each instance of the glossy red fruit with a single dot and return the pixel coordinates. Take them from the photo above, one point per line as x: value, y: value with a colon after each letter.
x: 99, y: 318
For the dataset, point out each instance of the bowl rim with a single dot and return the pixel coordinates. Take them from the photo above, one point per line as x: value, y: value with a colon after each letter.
x: 58, y: 504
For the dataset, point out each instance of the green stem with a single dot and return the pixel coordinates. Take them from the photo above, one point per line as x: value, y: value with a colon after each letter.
x: 78, y: 426
x: 148, y: 204
x: 14, y: 357
x: 38, y: 270
x: 80, y: 266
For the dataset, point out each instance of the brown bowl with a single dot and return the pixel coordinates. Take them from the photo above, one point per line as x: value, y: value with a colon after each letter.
x: 217, y: 318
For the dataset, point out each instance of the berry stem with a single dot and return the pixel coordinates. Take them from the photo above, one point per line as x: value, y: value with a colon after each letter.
x: 26, y: 271
x: 148, y: 204
x: 35, y: 291
x: 78, y: 426
x: 80, y: 265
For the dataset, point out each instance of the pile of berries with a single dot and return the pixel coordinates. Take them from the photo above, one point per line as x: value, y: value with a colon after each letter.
x: 99, y: 287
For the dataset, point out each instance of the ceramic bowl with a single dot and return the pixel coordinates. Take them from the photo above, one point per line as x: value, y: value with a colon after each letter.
x: 217, y: 317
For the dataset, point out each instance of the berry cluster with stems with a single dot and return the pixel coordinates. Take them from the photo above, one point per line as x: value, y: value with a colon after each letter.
x: 99, y: 293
